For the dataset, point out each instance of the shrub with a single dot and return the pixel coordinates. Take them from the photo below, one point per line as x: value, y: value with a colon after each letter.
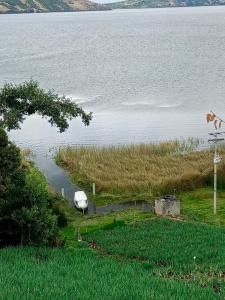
x: 25, y: 205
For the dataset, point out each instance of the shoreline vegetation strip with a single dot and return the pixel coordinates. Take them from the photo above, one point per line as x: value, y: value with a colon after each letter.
x: 138, y: 172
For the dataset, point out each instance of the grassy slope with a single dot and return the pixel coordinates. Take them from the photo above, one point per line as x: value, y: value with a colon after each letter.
x: 168, y: 249
x: 82, y: 273
x: 170, y: 246
x: 18, y: 6
x: 90, y: 223
x: 173, y: 243
x: 196, y: 206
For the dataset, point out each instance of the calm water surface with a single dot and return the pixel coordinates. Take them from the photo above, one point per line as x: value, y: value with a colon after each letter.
x: 147, y: 75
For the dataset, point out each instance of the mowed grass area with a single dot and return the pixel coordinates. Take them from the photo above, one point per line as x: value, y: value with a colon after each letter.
x: 139, y: 171
x: 147, y: 260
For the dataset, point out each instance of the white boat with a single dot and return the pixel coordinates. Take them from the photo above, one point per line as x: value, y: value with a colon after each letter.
x: 80, y: 200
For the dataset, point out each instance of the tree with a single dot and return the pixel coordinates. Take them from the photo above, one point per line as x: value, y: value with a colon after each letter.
x: 9, y: 156
x: 26, y: 215
x: 19, y: 101
x: 10, y: 160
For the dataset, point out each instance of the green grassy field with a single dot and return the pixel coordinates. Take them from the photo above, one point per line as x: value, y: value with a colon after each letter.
x: 170, y: 249
x: 196, y: 206
x: 90, y: 223
x: 147, y: 260
x: 174, y: 243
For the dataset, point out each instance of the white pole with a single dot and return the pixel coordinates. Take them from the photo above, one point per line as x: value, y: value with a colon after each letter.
x: 93, y: 189
x: 63, y: 192
x: 215, y: 180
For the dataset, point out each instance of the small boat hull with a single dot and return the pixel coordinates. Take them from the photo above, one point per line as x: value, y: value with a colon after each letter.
x: 81, y: 207
x: 81, y: 201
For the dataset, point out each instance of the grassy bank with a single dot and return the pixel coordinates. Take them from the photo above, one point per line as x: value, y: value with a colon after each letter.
x: 196, y: 206
x: 85, y: 224
x: 139, y: 171
x: 146, y: 260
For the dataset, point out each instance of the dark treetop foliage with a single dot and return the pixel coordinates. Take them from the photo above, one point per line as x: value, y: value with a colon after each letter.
x: 19, y: 101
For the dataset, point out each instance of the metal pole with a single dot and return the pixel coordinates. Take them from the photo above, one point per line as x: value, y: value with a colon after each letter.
x: 215, y: 180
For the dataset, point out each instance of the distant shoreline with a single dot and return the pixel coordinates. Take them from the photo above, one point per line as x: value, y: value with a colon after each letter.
x: 117, y: 6
x: 41, y: 6
x: 107, y: 7
x: 49, y: 12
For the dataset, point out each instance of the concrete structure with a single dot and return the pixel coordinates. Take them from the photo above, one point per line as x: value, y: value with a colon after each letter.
x: 167, y: 206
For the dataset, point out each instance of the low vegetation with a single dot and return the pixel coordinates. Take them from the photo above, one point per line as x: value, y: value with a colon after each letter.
x: 140, y: 171
x: 179, y: 245
x: 157, y: 259
x: 197, y: 206
x: 170, y: 249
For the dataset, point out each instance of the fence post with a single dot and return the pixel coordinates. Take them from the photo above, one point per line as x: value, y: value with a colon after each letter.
x: 93, y: 188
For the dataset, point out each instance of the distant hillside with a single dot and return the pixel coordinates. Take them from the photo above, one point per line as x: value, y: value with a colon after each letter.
x: 163, y: 3
x: 25, y: 6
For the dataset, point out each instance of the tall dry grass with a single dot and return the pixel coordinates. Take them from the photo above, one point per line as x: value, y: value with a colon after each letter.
x: 160, y: 167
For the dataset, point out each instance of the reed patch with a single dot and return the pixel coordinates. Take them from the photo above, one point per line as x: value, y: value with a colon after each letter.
x: 145, y: 168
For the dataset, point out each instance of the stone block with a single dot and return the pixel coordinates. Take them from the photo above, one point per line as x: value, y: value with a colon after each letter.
x: 167, y: 206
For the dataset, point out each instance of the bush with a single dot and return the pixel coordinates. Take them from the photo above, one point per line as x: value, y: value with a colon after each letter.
x: 26, y: 215
x: 61, y: 217
x: 38, y: 226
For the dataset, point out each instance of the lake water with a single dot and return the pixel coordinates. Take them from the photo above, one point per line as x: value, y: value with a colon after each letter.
x: 147, y: 75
